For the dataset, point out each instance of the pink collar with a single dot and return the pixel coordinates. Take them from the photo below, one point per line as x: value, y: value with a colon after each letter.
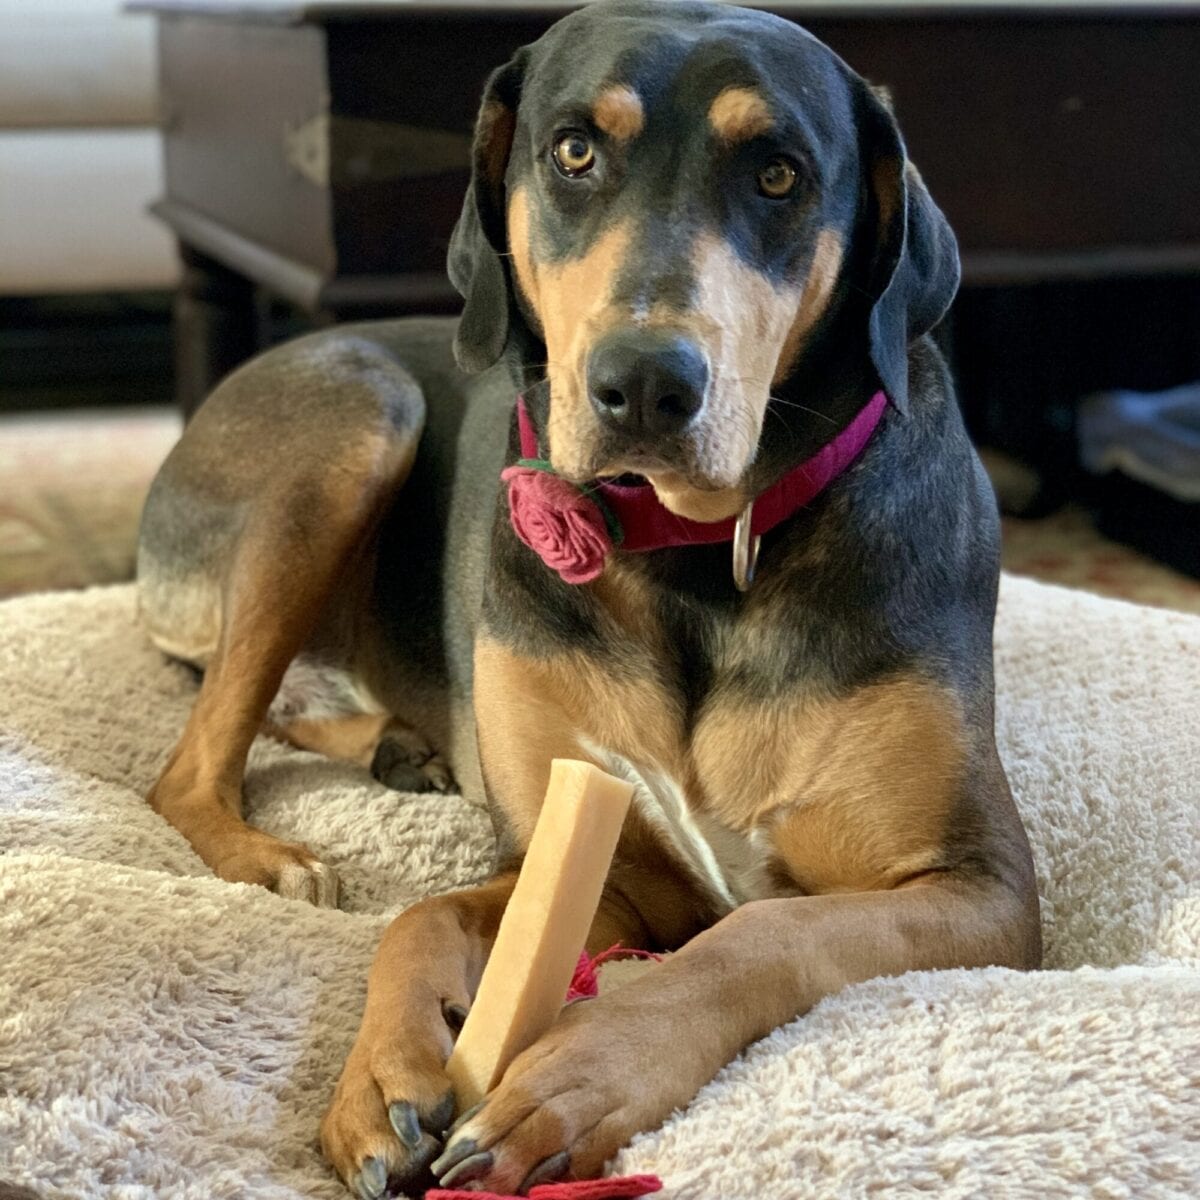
x: 574, y: 529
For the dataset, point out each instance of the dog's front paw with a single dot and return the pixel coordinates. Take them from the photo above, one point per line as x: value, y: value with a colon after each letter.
x: 564, y: 1107
x: 390, y: 1109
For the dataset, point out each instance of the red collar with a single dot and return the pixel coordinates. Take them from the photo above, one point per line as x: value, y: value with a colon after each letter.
x: 554, y: 518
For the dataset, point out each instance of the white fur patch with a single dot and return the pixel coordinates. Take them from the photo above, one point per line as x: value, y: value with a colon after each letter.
x: 183, y: 619
x: 729, y: 865
x: 317, y: 690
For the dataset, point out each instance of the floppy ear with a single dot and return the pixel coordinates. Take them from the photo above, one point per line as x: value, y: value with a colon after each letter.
x: 915, y: 271
x: 475, y: 263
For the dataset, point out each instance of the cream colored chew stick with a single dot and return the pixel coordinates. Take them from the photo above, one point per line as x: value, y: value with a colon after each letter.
x: 544, y: 927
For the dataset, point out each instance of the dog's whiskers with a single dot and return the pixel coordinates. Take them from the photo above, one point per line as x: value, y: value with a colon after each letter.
x: 802, y: 407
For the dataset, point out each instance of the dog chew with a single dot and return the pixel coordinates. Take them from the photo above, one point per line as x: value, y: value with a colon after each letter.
x: 544, y: 927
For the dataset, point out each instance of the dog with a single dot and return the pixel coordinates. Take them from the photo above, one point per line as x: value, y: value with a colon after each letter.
x: 743, y: 555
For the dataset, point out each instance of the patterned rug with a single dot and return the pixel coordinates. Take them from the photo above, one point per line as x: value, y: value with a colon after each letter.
x: 72, y: 486
x: 1067, y: 549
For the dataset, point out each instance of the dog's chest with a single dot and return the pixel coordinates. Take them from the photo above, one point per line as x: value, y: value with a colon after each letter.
x: 695, y: 722
x: 729, y: 865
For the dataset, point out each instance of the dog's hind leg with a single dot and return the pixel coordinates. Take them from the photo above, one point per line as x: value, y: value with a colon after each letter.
x: 302, y: 530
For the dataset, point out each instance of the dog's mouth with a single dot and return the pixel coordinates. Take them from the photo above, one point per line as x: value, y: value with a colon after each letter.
x: 685, y: 494
x: 636, y: 467
x: 662, y: 476
x: 626, y: 479
x: 673, y: 465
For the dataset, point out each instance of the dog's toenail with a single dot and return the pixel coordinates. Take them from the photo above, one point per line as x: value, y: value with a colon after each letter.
x: 548, y: 1170
x: 372, y: 1179
x: 467, y: 1171
x: 404, y: 1121
x: 454, y: 1153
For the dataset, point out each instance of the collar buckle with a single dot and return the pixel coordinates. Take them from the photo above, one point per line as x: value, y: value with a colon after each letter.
x: 745, y: 549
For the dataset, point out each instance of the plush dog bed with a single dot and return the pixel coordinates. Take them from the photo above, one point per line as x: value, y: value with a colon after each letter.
x: 164, y: 1034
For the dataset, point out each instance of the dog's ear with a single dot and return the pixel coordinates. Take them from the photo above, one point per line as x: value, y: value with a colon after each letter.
x: 914, y: 270
x: 476, y: 262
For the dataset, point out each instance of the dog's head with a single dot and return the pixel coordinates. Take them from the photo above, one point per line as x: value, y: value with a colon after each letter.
x: 672, y: 204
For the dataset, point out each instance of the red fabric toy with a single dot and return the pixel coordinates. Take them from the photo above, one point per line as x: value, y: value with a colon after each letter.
x: 585, y: 983
x: 617, y: 1188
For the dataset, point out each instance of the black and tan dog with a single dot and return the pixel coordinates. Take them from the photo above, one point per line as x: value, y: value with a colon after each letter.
x: 694, y: 242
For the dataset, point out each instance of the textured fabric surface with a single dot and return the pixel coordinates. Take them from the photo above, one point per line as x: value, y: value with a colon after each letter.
x: 164, y: 1034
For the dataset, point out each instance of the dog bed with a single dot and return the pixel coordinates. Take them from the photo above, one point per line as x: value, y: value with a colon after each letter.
x: 165, y: 1034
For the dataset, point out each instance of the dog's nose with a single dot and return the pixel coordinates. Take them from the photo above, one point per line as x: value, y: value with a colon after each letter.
x: 647, y: 382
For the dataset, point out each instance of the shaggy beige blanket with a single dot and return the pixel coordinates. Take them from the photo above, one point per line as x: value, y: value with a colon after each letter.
x: 164, y: 1034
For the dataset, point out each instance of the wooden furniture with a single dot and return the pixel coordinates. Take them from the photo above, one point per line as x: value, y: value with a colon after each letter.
x: 318, y: 151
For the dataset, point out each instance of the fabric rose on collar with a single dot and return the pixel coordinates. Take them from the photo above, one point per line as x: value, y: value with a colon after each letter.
x: 563, y: 525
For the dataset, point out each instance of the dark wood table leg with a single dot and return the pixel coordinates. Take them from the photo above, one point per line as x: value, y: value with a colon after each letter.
x: 216, y: 326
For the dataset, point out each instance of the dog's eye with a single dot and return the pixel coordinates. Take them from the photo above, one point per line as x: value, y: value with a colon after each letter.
x: 777, y: 178
x: 573, y: 155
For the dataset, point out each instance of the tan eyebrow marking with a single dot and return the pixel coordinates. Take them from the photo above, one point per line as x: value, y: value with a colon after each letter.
x: 738, y: 114
x: 618, y: 112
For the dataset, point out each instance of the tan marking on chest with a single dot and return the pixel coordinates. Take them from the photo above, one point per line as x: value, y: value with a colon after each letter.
x: 729, y: 866
x: 530, y: 710
x: 762, y: 799
x: 857, y: 792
